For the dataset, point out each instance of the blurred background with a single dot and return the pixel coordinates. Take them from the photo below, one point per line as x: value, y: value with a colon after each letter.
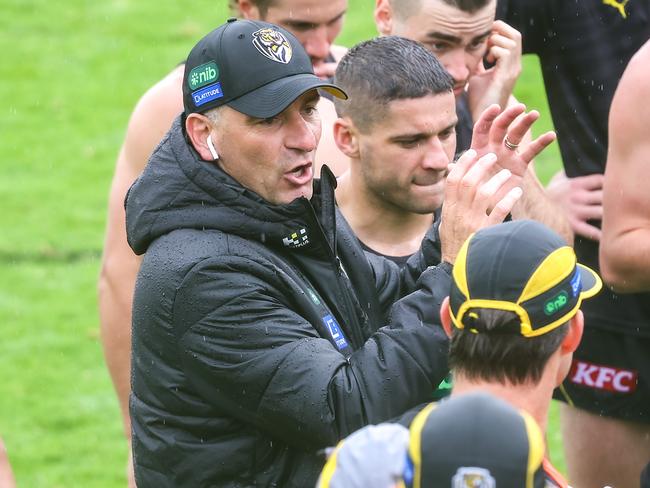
x: 70, y: 75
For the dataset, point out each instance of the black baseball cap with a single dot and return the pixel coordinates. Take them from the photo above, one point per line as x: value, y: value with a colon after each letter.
x: 254, y: 67
x: 474, y: 439
x: 523, y: 267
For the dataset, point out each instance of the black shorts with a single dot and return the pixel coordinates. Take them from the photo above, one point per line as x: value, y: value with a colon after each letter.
x: 610, y: 376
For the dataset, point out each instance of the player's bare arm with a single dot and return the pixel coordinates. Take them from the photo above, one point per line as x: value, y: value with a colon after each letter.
x: 625, y: 244
x: 119, y: 264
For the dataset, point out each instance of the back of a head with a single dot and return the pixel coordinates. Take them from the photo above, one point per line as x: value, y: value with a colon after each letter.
x: 515, y: 287
x: 372, y: 456
x: 475, y: 440
x: 373, y: 73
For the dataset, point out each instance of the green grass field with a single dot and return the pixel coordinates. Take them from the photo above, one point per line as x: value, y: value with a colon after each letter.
x: 71, y: 74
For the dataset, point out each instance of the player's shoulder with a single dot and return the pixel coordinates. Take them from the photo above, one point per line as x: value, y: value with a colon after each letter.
x: 166, y: 93
x: 157, y: 108
x: 639, y: 62
x: 151, y: 119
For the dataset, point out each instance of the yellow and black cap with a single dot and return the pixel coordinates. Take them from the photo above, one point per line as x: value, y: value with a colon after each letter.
x: 475, y: 440
x: 255, y: 67
x: 523, y: 267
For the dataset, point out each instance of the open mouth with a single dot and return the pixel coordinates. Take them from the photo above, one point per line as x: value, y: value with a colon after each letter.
x: 300, y: 175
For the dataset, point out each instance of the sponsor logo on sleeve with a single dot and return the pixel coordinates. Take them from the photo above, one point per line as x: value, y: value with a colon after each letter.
x: 603, y: 377
x: 207, y: 94
x: 335, y: 332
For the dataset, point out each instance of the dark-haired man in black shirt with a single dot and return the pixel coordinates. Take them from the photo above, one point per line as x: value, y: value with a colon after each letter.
x: 584, y: 47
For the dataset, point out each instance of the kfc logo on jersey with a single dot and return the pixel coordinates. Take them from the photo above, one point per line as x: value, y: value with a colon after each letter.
x: 603, y: 377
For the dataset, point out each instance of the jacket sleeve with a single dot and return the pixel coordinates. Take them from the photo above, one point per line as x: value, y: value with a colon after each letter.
x: 251, y: 355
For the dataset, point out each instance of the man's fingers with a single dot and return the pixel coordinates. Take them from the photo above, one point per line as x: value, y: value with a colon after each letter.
x: 507, y: 30
x: 504, y: 206
x: 589, y: 182
x: 521, y: 125
x: 475, y: 176
x: 486, y: 192
x: 589, y: 197
x: 456, y: 171
x: 502, y: 123
x: 537, y: 146
x: 498, y: 52
x: 590, y: 212
x: 481, y: 131
x: 586, y: 230
x: 503, y: 42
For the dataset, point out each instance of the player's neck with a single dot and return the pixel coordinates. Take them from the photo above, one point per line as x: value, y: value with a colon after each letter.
x: 534, y: 399
x: 380, y: 226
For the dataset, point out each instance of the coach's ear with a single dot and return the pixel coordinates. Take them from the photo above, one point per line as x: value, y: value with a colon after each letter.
x: 445, y: 316
x: 345, y: 136
x: 384, y: 17
x: 199, y: 129
x: 572, y: 339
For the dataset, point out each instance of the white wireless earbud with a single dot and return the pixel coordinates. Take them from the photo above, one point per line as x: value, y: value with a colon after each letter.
x: 213, y: 151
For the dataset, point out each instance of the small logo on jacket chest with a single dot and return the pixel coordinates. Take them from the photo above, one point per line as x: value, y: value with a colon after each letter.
x: 296, y: 239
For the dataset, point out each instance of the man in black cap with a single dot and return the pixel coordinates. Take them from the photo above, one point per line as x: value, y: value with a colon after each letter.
x: 257, y: 320
x: 513, y: 315
x: 487, y: 444
x: 316, y: 24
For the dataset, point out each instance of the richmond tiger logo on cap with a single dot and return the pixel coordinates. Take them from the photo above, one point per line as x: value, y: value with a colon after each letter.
x: 272, y: 44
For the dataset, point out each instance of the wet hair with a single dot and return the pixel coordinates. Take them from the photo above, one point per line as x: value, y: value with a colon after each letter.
x: 262, y: 6
x: 498, y: 352
x: 378, y: 71
x: 404, y: 9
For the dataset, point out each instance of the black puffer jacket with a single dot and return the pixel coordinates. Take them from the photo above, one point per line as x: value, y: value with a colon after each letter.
x: 256, y: 329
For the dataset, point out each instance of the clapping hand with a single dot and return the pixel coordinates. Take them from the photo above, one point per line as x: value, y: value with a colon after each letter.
x: 471, y: 201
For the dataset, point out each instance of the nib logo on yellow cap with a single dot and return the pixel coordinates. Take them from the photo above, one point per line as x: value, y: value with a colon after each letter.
x: 522, y: 267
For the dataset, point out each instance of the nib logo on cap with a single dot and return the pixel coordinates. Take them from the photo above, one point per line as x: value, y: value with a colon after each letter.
x: 272, y: 44
x: 203, y: 75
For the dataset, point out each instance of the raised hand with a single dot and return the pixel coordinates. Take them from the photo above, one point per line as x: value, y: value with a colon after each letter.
x: 502, y: 133
x: 495, y: 84
x: 471, y: 201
